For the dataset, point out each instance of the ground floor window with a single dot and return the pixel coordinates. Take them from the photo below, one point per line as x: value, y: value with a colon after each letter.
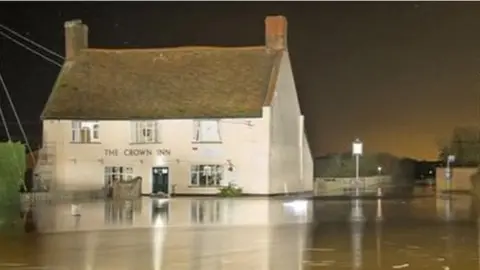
x: 206, y: 211
x: 117, y: 173
x: 206, y: 175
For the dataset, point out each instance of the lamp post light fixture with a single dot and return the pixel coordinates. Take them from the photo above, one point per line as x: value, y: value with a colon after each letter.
x: 379, y: 170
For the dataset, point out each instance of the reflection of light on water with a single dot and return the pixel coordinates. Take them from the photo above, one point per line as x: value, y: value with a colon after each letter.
x: 378, y: 236
x: 448, y: 215
x: 298, y: 207
x: 379, y: 210
x: 158, y: 241
x: 91, y: 251
x: 478, y: 240
x: 357, y: 211
x: 357, y: 235
x: 159, y: 202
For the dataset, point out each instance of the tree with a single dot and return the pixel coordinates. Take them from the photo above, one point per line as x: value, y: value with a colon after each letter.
x: 464, y: 144
x: 343, y: 165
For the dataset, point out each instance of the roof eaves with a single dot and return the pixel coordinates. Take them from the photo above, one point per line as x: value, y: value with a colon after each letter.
x: 180, y: 48
x: 65, y: 67
x: 273, y: 78
x: 259, y: 115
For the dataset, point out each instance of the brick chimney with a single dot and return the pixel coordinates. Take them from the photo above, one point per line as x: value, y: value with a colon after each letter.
x: 276, y: 32
x: 76, y: 38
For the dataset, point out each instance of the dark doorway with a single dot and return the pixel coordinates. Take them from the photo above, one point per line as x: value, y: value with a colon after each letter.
x: 160, y: 180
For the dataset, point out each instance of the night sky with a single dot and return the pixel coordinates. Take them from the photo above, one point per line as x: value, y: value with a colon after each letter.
x: 399, y: 75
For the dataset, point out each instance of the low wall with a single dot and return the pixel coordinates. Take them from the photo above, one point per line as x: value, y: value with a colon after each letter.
x: 61, y: 196
x: 335, y: 186
x: 461, y: 179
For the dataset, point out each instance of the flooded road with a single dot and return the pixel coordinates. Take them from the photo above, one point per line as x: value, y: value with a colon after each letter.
x: 250, y: 233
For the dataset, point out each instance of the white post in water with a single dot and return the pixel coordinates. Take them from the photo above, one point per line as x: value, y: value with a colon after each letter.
x: 357, y: 211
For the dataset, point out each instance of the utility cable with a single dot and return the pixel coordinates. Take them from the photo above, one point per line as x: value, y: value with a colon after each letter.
x: 30, y: 41
x: 4, y: 121
x: 5, y: 89
x: 10, y: 138
x: 31, y: 50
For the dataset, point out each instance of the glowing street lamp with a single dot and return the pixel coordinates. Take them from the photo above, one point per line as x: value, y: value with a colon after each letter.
x: 379, y: 170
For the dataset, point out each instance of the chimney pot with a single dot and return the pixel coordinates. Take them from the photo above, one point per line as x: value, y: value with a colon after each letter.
x: 276, y: 32
x: 76, y: 38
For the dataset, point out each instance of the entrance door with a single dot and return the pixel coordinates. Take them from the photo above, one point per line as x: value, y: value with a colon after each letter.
x: 160, y: 180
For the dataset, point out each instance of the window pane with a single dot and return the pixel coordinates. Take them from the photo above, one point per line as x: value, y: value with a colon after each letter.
x: 210, y: 180
x: 95, y: 131
x: 194, y: 178
x: 158, y: 132
x: 203, y: 180
x: 209, y: 130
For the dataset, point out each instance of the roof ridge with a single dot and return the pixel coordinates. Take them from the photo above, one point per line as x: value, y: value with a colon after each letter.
x: 181, y: 48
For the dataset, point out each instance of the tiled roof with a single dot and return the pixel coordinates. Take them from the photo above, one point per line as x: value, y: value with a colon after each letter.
x: 172, y: 83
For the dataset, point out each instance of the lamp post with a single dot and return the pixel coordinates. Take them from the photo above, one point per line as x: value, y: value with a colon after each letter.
x: 379, y: 170
x: 448, y: 172
x: 357, y: 211
x: 357, y: 151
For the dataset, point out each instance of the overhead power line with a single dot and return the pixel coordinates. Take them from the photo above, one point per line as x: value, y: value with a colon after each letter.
x: 30, y: 49
x: 7, y: 93
x: 15, y: 33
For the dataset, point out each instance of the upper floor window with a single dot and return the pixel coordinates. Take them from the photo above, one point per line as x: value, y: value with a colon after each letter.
x: 145, y: 132
x: 206, y: 131
x: 85, y: 131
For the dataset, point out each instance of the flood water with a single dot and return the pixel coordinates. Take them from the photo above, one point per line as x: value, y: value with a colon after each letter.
x: 425, y: 232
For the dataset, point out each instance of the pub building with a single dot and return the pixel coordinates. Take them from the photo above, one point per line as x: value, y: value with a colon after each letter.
x: 186, y: 119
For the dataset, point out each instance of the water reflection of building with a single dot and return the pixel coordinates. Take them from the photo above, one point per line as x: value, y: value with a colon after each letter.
x: 344, y: 240
x: 200, y: 234
x: 454, y: 207
x: 206, y: 211
x: 122, y: 211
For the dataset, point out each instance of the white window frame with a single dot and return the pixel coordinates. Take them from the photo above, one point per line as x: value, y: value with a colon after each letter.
x: 85, y: 131
x: 206, y: 211
x: 197, y: 131
x: 214, y: 175
x: 117, y: 173
x: 144, y: 132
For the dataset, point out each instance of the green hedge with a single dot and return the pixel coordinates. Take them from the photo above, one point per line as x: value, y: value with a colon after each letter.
x: 12, y: 172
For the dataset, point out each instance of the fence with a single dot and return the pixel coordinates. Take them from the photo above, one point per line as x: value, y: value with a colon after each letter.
x: 324, y: 186
x: 61, y: 196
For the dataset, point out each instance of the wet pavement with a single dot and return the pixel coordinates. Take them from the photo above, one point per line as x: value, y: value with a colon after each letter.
x: 424, y: 232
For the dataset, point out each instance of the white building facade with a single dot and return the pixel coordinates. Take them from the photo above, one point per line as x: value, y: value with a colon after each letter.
x: 265, y: 154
